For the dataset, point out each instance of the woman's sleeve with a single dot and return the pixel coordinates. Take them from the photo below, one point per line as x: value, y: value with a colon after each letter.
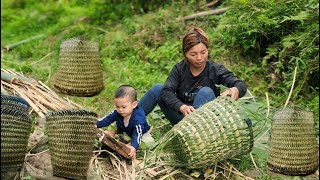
x: 228, y: 79
x: 168, y: 95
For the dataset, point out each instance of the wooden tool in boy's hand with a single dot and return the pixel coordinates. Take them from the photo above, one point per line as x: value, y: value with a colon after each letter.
x: 114, y: 144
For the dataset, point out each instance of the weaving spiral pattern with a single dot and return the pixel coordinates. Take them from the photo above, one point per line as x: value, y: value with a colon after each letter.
x: 14, y: 102
x: 80, y: 72
x: 216, y: 131
x: 293, y: 147
x: 15, y: 130
x: 71, y: 134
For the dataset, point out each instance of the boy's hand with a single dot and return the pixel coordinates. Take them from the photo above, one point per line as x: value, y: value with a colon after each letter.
x: 132, y: 152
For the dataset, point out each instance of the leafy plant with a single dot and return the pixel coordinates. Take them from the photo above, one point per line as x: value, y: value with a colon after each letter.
x: 274, y: 37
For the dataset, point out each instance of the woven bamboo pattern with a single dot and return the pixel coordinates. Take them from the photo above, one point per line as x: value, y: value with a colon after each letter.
x: 15, y: 130
x: 293, y: 147
x: 14, y: 102
x: 216, y: 131
x: 80, y: 72
x: 71, y: 134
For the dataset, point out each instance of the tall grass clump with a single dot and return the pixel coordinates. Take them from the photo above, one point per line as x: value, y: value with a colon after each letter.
x: 274, y: 37
x: 277, y: 36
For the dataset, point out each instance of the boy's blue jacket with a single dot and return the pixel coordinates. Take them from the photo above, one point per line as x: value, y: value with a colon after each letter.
x: 137, y: 126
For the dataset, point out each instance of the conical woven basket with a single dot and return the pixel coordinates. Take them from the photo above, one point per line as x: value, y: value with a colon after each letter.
x: 216, y: 131
x: 15, y: 130
x: 293, y: 147
x: 79, y: 72
x: 71, y: 134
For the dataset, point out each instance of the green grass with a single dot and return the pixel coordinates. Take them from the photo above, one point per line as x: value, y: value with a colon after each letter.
x: 138, y: 49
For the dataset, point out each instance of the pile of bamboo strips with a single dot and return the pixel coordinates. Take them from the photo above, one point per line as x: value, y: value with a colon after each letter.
x: 40, y: 97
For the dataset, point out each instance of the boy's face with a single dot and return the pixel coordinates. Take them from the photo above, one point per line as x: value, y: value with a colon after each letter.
x: 125, y: 106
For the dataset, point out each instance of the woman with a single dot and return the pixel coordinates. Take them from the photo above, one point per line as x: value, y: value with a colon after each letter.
x: 192, y: 82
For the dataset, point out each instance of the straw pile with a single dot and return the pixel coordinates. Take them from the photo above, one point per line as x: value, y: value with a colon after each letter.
x: 71, y: 134
x: 293, y: 147
x: 80, y: 71
x: 15, y: 130
x: 216, y: 131
x: 39, y: 96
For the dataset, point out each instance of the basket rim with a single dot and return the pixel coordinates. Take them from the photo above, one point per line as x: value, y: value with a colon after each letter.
x: 293, y: 108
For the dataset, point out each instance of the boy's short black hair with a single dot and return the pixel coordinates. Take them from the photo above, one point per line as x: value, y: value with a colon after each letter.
x: 126, y: 90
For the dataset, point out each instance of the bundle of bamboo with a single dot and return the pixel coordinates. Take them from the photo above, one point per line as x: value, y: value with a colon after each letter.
x: 40, y: 97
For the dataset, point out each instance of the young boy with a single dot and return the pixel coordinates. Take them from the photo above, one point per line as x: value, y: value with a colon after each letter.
x: 129, y: 118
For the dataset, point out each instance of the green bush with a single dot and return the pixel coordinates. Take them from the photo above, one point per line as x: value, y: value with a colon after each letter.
x: 275, y: 36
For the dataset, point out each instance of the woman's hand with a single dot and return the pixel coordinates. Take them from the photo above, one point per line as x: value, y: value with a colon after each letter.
x: 232, y: 92
x: 186, y: 110
x: 132, y: 152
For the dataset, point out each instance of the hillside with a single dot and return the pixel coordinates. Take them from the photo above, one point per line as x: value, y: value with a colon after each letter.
x: 262, y: 42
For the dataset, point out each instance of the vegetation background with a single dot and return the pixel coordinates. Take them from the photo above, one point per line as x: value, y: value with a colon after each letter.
x: 261, y: 41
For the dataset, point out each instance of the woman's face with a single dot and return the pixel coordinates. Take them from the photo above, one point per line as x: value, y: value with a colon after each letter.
x: 197, y: 56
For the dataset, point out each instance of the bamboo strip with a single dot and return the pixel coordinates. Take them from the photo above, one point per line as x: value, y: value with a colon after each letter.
x: 74, y: 103
x: 62, y: 102
x: 11, y: 46
x: 3, y: 91
x: 8, y: 77
x: 36, y: 101
x: 31, y: 93
x: 34, y: 97
x: 50, y: 100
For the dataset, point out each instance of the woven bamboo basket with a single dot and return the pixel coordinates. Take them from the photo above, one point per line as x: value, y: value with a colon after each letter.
x: 15, y: 130
x: 71, y: 134
x: 293, y: 147
x: 79, y: 72
x: 216, y: 131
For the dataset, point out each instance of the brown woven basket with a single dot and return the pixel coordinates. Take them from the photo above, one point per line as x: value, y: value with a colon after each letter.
x: 80, y: 72
x: 293, y: 147
x: 15, y: 130
x: 71, y: 134
x: 216, y: 131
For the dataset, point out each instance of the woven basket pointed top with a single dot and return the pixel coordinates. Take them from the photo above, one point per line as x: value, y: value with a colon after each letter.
x: 80, y: 71
x: 216, y: 131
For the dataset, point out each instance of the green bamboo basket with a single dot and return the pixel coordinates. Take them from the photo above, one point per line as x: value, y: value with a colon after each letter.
x: 15, y: 130
x: 79, y: 70
x: 216, y: 131
x: 71, y: 135
x: 293, y: 148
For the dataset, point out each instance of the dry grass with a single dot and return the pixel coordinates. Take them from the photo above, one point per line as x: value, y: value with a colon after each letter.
x: 161, y: 167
